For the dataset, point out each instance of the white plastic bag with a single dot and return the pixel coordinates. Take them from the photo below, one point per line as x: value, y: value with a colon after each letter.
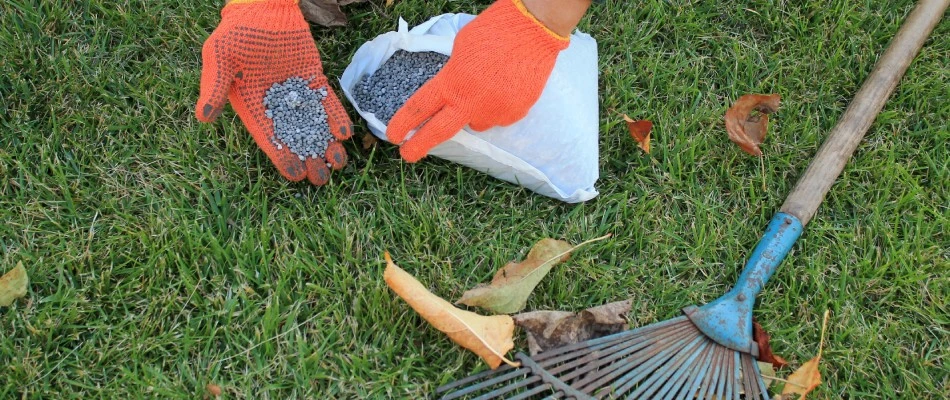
x: 552, y: 151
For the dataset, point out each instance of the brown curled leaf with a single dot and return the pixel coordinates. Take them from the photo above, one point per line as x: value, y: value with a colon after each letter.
x: 325, y: 12
x: 747, y: 120
x: 765, y: 349
x: 214, y: 390
x: 640, y: 131
x: 551, y: 329
x: 369, y: 141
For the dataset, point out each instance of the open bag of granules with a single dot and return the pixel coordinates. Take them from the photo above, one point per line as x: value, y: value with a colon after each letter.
x: 552, y: 151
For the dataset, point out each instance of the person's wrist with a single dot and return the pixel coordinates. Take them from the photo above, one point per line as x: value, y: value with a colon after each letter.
x: 558, y: 17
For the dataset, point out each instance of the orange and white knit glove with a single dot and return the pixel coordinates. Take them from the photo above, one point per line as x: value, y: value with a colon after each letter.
x: 259, y: 43
x: 499, y: 65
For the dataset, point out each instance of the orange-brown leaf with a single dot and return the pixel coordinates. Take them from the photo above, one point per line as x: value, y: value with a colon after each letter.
x: 640, y: 131
x: 214, y: 390
x: 369, y: 140
x: 765, y: 349
x: 747, y: 128
x: 807, y: 377
x: 488, y: 337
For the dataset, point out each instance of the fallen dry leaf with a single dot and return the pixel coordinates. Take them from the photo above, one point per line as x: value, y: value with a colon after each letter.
x: 767, y: 372
x: 747, y: 128
x: 640, y: 131
x: 213, y: 389
x: 807, y: 377
x: 488, y: 337
x: 13, y: 285
x: 551, y: 329
x: 389, y: 3
x: 325, y: 12
x: 765, y: 349
x: 509, y: 289
x: 369, y: 140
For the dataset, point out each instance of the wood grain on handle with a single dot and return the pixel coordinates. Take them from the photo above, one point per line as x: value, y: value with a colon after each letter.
x: 844, y: 138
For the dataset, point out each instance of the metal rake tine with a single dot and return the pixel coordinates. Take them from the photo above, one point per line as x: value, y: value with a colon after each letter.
x: 579, y: 356
x: 510, y: 387
x: 531, y: 392
x: 616, y: 365
x: 723, y: 373
x: 634, y: 363
x: 642, y: 348
x: 755, y: 383
x: 698, y: 373
x: 712, y: 376
x: 733, y: 383
x: 472, y: 378
x: 607, y: 364
x: 746, y: 378
x: 682, y: 374
x: 760, y: 381
x: 559, y: 354
x: 546, y: 357
x: 485, y: 384
x: 648, y: 359
x: 662, y: 373
x: 617, y: 337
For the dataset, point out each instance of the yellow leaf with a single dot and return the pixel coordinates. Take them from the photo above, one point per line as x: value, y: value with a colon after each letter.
x: 488, y: 337
x: 13, y: 285
x: 511, y: 286
x: 807, y: 377
x: 389, y: 3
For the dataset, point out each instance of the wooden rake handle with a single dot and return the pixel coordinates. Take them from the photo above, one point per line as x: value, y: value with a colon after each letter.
x: 844, y: 138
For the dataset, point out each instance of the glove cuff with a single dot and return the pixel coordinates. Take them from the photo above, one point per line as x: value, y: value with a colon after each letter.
x: 230, y: 2
x: 265, y: 14
x: 519, y: 4
x: 510, y: 18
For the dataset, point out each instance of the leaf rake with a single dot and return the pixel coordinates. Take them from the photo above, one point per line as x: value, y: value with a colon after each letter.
x: 709, y: 352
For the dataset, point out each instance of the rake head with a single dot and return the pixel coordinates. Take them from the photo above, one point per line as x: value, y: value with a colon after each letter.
x: 666, y: 360
x: 706, y: 354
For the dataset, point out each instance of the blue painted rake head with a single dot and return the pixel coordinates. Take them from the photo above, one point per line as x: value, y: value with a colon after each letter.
x: 706, y: 354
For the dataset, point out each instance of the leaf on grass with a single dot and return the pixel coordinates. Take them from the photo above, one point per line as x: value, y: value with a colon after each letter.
x: 488, y: 337
x: 765, y: 349
x: 747, y: 121
x: 640, y: 131
x: 551, y: 329
x: 509, y: 289
x: 13, y: 285
x: 389, y: 3
x: 325, y: 12
x: 213, y: 389
x: 807, y: 377
x: 369, y: 140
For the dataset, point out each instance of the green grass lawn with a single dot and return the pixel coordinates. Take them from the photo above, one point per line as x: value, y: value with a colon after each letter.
x: 165, y: 254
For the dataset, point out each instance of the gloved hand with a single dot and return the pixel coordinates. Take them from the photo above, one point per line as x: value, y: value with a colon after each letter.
x: 257, y: 44
x: 499, y: 65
